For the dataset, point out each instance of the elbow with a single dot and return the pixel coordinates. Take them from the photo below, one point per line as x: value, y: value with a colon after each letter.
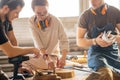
x: 80, y: 43
x: 9, y: 54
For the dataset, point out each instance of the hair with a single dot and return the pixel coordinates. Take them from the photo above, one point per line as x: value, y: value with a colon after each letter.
x: 39, y: 3
x: 12, y: 4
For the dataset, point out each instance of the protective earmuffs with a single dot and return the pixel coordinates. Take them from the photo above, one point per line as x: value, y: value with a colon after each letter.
x: 103, y: 11
x: 43, y: 24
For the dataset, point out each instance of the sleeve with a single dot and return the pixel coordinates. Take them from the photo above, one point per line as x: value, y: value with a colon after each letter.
x: 63, y: 39
x: 10, y: 27
x: 3, y: 38
x: 83, y: 21
x: 35, y: 35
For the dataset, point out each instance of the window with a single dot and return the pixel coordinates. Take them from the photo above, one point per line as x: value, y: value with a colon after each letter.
x: 115, y: 3
x: 27, y: 10
x: 60, y: 8
x: 64, y: 8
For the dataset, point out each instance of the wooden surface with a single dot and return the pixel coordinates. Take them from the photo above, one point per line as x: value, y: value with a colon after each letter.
x: 79, y: 75
x: 65, y: 73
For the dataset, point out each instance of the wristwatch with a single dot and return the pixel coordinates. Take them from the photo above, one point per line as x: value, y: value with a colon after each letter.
x: 94, y: 41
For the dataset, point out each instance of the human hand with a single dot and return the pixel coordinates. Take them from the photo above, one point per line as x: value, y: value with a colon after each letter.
x: 36, y: 52
x: 109, y: 37
x: 102, y: 42
x: 61, y: 62
x: 43, y: 51
x: 51, y: 65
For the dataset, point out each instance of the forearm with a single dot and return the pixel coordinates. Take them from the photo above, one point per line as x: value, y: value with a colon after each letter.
x: 22, y: 50
x: 64, y: 53
x: 85, y: 43
x: 12, y: 51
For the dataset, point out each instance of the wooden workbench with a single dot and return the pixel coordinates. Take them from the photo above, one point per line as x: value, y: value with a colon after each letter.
x: 79, y: 75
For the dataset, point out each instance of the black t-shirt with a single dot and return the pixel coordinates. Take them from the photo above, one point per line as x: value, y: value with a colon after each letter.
x: 3, y: 37
x: 7, y: 25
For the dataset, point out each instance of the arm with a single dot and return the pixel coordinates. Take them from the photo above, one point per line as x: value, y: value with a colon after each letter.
x: 81, y: 41
x: 85, y: 43
x: 12, y: 38
x: 82, y: 30
x: 64, y: 45
x: 12, y: 51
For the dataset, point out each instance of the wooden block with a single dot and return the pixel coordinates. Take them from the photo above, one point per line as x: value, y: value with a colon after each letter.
x: 46, y: 77
x: 65, y: 73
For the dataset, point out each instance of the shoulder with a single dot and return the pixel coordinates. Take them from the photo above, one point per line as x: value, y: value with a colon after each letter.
x: 113, y: 9
x: 54, y: 18
x: 86, y: 13
x: 56, y: 21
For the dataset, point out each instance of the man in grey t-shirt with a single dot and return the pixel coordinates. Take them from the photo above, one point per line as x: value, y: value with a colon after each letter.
x: 103, y: 54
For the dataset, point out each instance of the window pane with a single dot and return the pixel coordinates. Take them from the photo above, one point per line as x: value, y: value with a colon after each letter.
x: 64, y: 8
x: 60, y: 8
x: 115, y: 3
x: 27, y: 10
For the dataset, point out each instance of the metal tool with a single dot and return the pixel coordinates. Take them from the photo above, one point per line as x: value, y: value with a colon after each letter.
x: 86, y: 70
x: 16, y: 61
x: 80, y: 68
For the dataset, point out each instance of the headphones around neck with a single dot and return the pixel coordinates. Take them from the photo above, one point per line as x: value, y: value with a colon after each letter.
x: 103, y: 11
x: 43, y: 24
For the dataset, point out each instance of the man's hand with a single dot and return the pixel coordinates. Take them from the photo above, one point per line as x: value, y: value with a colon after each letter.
x: 43, y: 51
x: 36, y: 52
x: 50, y: 62
x: 51, y: 65
x: 109, y: 36
x: 101, y: 42
x: 61, y: 62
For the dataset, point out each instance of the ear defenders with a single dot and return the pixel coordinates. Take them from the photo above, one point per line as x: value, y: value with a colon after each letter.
x: 43, y: 24
x: 103, y: 11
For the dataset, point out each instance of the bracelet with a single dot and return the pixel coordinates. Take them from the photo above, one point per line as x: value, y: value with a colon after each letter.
x: 94, y: 42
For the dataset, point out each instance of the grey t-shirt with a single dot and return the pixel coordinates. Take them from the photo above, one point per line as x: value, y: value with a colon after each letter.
x: 87, y: 19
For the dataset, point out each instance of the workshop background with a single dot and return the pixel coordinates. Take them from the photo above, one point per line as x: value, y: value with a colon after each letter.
x: 72, y: 10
